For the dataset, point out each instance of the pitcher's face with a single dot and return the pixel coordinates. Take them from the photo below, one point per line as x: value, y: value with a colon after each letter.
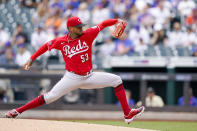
x: 76, y: 30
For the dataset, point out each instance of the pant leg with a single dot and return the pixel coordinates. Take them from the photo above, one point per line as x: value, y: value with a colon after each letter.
x: 64, y: 86
x: 101, y: 80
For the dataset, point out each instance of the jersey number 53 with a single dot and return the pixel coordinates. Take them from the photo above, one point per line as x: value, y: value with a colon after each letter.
x: 84, y: 58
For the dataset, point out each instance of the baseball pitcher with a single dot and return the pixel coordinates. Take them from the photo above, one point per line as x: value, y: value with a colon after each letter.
x: 76, y: 49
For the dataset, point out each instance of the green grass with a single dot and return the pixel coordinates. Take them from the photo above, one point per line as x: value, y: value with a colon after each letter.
x: 155, y: 125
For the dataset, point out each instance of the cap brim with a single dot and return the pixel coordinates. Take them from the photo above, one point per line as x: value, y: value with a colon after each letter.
x: 80, y: 25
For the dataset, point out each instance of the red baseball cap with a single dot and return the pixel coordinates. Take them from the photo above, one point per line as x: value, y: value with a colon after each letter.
x: 74, y: 21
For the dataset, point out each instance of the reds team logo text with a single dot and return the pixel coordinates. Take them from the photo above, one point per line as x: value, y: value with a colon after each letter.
x: 71, y: 51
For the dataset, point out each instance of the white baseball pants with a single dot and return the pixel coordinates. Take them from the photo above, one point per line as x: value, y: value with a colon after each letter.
x: 71, y: 81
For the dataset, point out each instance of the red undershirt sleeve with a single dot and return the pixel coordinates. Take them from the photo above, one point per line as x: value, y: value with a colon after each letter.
x: 40, y: 51
x: 107, y: 23
x: 93, y: 31
x: 53, y: 44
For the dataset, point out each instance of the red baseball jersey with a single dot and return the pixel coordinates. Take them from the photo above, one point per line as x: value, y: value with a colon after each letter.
x: 77, y: 53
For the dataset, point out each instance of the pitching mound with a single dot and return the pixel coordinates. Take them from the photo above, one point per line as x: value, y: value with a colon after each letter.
x: 47, y: 125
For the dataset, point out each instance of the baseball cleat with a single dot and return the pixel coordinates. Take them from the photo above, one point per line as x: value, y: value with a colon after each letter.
x: 12, y: 114
x: 134, y: 113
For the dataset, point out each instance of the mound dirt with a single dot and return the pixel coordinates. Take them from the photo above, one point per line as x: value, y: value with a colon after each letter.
x: 49, y: 125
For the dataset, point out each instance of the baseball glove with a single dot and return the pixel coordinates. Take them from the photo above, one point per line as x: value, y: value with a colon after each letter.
x: 119, y: 29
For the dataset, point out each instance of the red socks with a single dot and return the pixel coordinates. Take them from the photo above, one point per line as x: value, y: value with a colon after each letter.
x: 120, y: 94
x: 119, y: 91
x: 38, y: 101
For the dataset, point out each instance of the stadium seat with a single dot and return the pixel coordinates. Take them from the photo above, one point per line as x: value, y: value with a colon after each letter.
x: 151, y: 51
x: 12, y: 13
x: 183, y: 51
x: 136, y: 53
x: 165, y: 51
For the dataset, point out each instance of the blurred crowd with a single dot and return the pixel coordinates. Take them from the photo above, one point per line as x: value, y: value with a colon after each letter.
x: 169, y: 23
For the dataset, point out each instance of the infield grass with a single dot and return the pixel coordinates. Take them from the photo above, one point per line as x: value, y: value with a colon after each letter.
x: 155, y: 125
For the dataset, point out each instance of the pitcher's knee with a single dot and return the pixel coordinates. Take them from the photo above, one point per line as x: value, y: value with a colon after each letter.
x: 117, y: 81
x: 50, y: 97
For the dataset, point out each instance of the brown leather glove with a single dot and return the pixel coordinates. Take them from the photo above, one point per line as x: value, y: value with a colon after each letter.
x: 119, y: 29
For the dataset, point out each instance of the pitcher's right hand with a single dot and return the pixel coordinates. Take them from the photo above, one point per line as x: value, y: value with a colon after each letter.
x: 28, y: 64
